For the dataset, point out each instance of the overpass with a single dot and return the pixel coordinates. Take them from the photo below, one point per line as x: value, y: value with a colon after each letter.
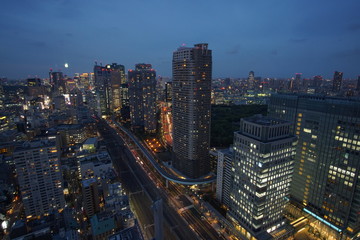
x: 159, y: 169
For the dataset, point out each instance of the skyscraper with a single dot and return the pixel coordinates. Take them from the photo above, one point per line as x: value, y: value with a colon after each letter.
x: 358, y: 84
x: 262, y: 169
x: 297, y: 85
x: 192, y: 69
x: 337, y: 81
x: 325, y: 181
x: 37, y: 166
x: 251, y: 80
x: 57, y: 82
x: 142, y: 97
x: 107, y: 83
x: 317, y: 81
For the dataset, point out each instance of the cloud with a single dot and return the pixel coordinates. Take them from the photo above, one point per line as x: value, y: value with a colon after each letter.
x: 297, y: 40
x: 234, y: 50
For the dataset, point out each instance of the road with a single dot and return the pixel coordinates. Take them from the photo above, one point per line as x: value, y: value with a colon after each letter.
x: 173, y: 195
x: 141, y: 189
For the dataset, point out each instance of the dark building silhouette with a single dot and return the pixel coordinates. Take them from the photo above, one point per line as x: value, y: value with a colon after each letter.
x: 337, y: 81
x: 317, y: 81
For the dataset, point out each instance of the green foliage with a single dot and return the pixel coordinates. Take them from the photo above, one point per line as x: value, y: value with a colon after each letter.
x: 225, y: 120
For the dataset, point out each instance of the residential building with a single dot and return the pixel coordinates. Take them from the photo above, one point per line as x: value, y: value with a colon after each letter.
x: 142, y: 97
x: 39, y: 175
x: 191, y: 85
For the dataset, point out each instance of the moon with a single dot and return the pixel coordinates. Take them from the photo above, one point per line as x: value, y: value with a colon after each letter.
x: 66, y: 65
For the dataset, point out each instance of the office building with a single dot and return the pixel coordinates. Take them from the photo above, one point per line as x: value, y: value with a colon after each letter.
x: 263, y: 165
x: 38, y: 169
x: 251, y: 80
x: 325, y: 181
x: 142, y: 97
x: 358, y: 84
x: 337, y: 81
x: 192, y: 69
x: 297, y: 82
x: 57, y: 82
x: 107, y: 85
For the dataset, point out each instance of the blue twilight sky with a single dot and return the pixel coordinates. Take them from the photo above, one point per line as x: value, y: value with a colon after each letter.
x: 274, y: 38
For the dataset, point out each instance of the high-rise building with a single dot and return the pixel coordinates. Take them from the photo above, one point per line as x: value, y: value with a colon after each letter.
x: 358, y: 84
x: 317, y: 81
x: 91, y: 198
x: 224, y: 176
x: 192, y: 69
x: 325, y: 180
x: 125, y: 107
x: 57, y: 82
x: 168, y: 92
x: 142, y: 97
x: 39, y: 174
x: 251, y: 80
x: 263, y: 164
x: 297, y: 82
x: 107, y: 83
x: 337, y: 81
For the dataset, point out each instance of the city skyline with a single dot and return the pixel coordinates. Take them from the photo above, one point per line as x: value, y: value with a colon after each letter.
x: 274, y: 39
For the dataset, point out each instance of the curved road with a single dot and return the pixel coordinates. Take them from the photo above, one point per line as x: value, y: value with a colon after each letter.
x: 159, y: 169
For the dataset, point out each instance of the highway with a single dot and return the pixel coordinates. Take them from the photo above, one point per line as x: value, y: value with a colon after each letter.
x: 172, y: 195
x: 141, y: 189
x: 160, y: 169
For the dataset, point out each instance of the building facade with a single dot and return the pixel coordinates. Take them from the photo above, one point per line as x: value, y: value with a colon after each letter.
x: 192, y: 74
x: 337, y: 81
x: 142, y: 97
x: 327, y: 165
x: 224, y: 176
x: 91, y: 197
x: 39, y: 174
x: 107, y: 85
x: 264, y: 153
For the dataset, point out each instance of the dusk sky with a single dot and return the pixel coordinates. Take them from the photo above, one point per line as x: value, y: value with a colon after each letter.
x: 276, y: 38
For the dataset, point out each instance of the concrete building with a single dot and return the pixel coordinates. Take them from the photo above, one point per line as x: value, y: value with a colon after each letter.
x: 325, y: 181
x: 191, y: 85
x: 337, y: 81
x: 263, y: 165
x: 107, y: 85
x: 37, y: 166
x: 91, y: 198
x: 224, y: 176
x: 142, y: 97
